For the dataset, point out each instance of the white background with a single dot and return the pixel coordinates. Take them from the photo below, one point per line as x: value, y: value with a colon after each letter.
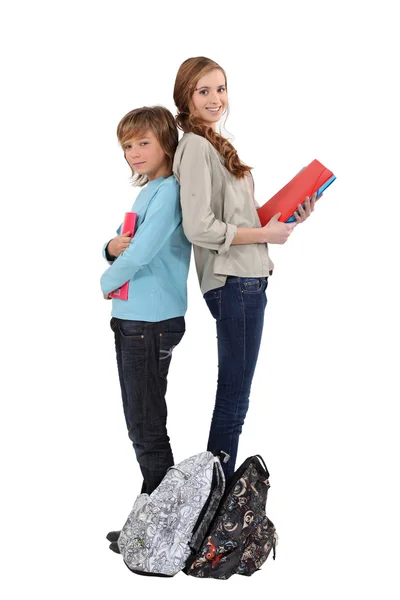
x: 305, y: 80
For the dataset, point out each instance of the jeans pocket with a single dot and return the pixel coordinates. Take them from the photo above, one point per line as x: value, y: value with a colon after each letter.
x: 132, y: 346
x: 213, y: 301
x: 131, y: 329
x: 168, y: 341
x: 253, y: 285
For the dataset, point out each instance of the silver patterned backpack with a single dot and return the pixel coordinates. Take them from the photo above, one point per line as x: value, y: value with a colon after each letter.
x: 168, y: 525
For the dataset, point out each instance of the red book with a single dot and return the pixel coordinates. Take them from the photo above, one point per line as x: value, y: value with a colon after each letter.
x: 313, y: 178
x: 128, y: 225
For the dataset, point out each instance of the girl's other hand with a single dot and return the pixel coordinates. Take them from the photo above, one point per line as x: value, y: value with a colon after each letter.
x: 118, y: 244
x: 276, y: 232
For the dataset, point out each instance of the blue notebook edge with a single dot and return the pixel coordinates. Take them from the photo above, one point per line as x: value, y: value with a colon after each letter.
x: 319, y: 192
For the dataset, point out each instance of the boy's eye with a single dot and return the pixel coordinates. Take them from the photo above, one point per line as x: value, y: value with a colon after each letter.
x: 221, y: 89
x: 144, y: 143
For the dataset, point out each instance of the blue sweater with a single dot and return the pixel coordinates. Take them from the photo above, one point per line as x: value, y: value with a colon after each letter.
x: 156, y: 262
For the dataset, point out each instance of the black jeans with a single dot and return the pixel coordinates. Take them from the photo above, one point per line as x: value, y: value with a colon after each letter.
x: 144, y: 351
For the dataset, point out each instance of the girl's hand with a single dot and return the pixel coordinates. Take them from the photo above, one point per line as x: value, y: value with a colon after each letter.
x: 106, y: 296
x: 276, y: 232
x: 118, y: 244
x: 301, y: 214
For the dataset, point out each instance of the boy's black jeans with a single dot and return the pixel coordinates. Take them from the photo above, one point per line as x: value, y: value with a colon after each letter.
x: 144, y: 351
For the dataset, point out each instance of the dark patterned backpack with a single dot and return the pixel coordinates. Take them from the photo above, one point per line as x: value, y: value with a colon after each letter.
x: 240, y: 537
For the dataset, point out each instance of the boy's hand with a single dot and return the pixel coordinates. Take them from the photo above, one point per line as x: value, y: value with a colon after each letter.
x: 106, y: 296
x: 118, y: 244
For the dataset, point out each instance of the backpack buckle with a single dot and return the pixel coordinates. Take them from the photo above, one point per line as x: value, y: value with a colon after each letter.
x: 223, y: 456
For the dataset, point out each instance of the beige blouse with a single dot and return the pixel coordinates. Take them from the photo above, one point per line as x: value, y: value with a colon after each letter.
x: 214, y: 204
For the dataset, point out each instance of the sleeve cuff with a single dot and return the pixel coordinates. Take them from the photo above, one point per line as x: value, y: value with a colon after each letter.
x: 110, y: 259
x: 231, y: 231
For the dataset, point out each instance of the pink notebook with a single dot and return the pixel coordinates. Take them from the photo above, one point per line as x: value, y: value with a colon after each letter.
x: 128, y: 225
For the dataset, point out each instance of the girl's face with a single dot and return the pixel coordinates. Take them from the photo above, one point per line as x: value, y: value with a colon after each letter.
x: 145, y: 156
x: 210, y: 97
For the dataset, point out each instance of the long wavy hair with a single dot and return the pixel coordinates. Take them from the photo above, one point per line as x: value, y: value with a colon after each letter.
x: 161, y: 122
x: 186, y: 80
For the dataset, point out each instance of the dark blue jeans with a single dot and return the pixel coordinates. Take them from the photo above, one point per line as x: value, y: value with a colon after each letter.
x: 144, y: 351
x: 238, y: 308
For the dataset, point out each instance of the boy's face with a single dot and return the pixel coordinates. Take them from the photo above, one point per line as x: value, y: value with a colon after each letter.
x: 210, y: 98
x: 145, y: 156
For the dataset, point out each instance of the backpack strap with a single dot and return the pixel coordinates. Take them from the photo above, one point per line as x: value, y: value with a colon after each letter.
x: 262, y: 463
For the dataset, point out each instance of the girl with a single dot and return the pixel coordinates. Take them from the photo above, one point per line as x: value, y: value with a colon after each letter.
x: 155, y: 261
x: 230, y: 246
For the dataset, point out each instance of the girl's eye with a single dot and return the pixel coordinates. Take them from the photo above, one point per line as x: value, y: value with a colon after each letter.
x: 203, y: 92
x: 221, y: 89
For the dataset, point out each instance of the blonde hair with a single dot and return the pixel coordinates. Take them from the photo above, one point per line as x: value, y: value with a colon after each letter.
x: 157, y: 119
x: 186, y: 80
